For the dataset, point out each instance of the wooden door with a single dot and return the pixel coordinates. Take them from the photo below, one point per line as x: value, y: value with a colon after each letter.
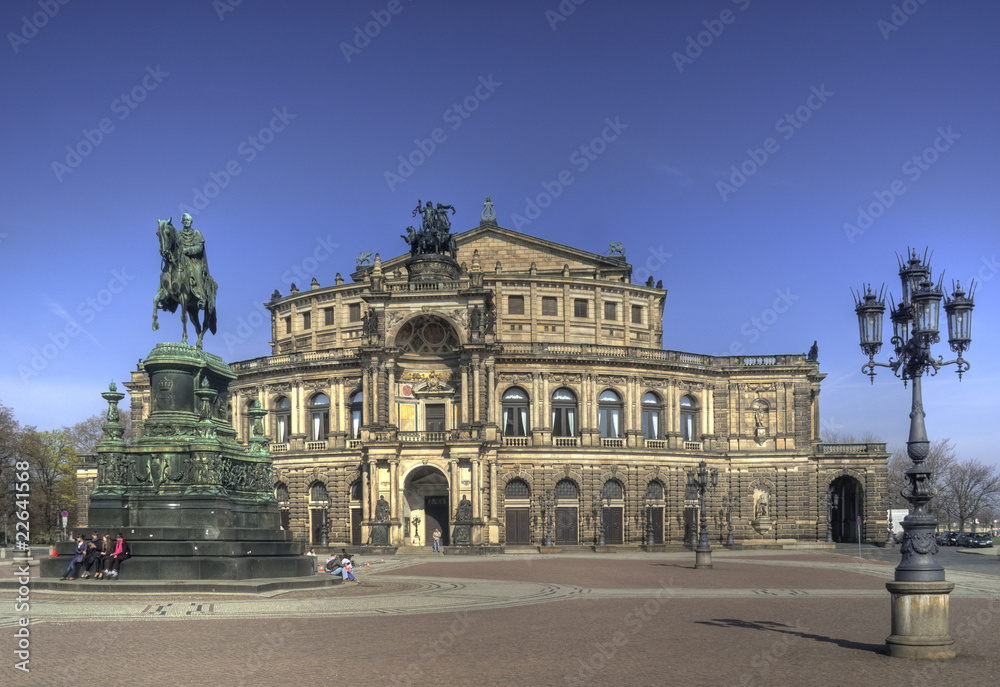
x: 356, y: 526
x: 656, y: 514
x: 567, y: 530
x: 518, y: 526
x: 613, y: 533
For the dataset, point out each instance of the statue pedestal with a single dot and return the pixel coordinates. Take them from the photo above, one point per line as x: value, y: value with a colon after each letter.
x: 191, y: 501
x: 920, y: 620
x: 702, y: 559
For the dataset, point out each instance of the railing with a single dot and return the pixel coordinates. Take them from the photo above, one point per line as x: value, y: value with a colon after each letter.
x: 603, y: 351
x: 692, y: 445
x: 279, y: 448
x: 355, y: 443
x: 518, y: 442
x: 564, y: 442
x: 610, y: 442
x: 424, y: 286
x: 315, y: 445
x: 656, y: 443
x: 430, y: 437
x: 867, y: 447
x: 292, y: 359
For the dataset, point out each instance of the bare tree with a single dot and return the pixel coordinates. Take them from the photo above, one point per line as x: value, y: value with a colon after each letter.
x: 972, y: 489
x: 86, y: 434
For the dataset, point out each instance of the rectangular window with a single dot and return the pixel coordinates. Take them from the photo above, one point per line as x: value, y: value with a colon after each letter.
x: 610, y: 311
x: 307, y: 320
x: 515, y: 305
x: 550, y: 306
x: 434, y: 413
x: 580, y: 307
x: 636, y: 314
x: 354, y: 312
x: 288, y: 325
x: 328, y: 317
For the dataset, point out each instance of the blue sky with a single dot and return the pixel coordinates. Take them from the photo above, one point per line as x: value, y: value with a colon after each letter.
x: 727, y: 144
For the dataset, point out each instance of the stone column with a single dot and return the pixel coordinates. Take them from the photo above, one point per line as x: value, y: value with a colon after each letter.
x: 491, y: 410
x: 453, y: 487
x: 477, y: 505
x: 367, y: 396
x: 493, y: 490
x: 393, y: 489
x: 475, y: 389
x: 391, y: 400
x: 465, y: 394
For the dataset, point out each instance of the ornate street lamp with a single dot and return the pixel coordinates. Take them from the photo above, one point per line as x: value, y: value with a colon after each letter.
x: 649, y: 521
x: 545, y: 504
x: 704, y: 479
x: 599, y: 519
x: 919, y: 591
x: 728, y: 503
x: 832, y: 501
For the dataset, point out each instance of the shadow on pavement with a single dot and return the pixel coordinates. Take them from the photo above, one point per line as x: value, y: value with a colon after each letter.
x: 792, y: 631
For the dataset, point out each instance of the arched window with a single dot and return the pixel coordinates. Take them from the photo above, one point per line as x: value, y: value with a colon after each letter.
x: 564, y: 413
x: 281, y: 492
x: 517, y: 489
x: 566, y: 489
x: 609, y: 414
x: 282, y: 420
x: 319, y: 417
x: 689, y: 419
x: 651, y: 415
x: 357, y: 402
x: 654, y: 491
x: 612, y: 489
x: 356, y: 491
x: 515, y: 412
x: 317, y: 492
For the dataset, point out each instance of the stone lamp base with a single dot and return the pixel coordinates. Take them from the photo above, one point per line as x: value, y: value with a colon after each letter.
x: 920, y: 620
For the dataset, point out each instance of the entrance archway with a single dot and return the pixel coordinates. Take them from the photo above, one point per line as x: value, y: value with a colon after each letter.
x: 425, y: 495
x: 848, y: 500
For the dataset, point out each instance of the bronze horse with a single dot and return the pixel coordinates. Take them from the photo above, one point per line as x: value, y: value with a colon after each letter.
x: 184, y: 278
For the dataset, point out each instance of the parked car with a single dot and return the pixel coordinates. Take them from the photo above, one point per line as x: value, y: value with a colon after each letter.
x: 953, y: 538
x: 942, y: 538
x: 962, y: 538
x: 981, y: 539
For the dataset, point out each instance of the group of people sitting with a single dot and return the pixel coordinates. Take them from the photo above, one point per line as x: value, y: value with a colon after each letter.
x: 341, y: 565
x: 105, y: 555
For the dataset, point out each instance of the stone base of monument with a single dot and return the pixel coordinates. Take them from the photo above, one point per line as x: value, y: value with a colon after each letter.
x: 702, y: 559
x: 192, y: 502
x: 920, y: 620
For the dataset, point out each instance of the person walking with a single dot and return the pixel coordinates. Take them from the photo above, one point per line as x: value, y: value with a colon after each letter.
x: 437, y: 540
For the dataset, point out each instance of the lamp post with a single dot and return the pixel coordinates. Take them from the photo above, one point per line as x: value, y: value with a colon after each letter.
x: 649, y: 522
x: 728, y: 502
x: 919, y: 591
x: 704, y: 479
x: 545, y: 504
x: 832, y: 501
x: 598, y: 519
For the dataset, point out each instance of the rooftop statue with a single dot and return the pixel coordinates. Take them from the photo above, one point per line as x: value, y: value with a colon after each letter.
x: 434, y: 235
x: 184, y: 278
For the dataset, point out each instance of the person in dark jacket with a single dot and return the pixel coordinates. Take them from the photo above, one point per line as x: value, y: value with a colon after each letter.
x: 73, y: 569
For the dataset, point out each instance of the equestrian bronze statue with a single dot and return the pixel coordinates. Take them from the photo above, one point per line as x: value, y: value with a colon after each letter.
x: 184, y: 278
